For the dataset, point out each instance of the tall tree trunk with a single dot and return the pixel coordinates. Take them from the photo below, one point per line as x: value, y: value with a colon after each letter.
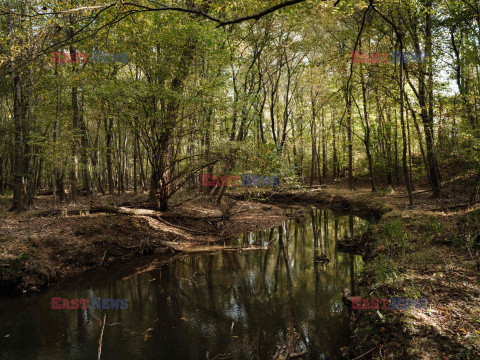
x: 427, y: 117
x: 143, y: 181
x: 108, y: 139
x: 135, y: 154
x: 404, y: 134
x: 84, y: 157
x: 335, y: 155
x: 410, y: 161
x: 28, y: 170
x: 367, y: 132
x: 461, y: 81
x: 313, y: 136
x: 324, y: 148
x: 18, y: 159
x: 18, y: 121
x: 348, y: 99
x: 75, y: 126
x: 397, y: 178
x: 59, y: 175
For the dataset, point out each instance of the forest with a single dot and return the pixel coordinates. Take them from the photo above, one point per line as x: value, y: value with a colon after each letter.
x: 245, y: 174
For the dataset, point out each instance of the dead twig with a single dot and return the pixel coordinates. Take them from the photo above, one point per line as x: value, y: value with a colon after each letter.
x: 101, y: 337
x: 369, y: 351
x: 103, y: 259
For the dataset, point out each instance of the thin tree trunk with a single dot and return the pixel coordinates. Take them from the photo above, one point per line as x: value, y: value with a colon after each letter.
x: 18, y: 159
x: 335, y: 155
x: 349, y: 139
x: 404, y: 134
x: 324, y: 148
x: 84, y: 157
x: 18, y: 138
x: 367, y: 132
x: 75, y: 125
x: 108, y: 138
x: 135, y: 154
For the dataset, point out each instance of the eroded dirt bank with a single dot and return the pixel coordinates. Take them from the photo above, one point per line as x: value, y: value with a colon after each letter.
x: 361, y: 204
x: 46, y: 244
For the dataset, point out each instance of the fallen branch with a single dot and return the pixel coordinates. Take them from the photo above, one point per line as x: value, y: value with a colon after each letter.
x: 62, y: 212
x: 101, y: 337
x: 415, y: 193
x: 369, y: 351
x: 289, y: 345
x: 190, y: 248
x: 125, y: 211
x: 453, y: 207
x: 147, y: 212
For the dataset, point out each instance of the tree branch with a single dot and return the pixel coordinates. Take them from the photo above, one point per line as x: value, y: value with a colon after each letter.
x: 263, y: 13
x: 140, y: 9
x: 164, y: 7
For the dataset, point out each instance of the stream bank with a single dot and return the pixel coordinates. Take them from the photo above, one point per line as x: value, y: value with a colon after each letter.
x: 278, y: 302
x: 46, y: 244
x: 430, y: 251
x: 49, y: 243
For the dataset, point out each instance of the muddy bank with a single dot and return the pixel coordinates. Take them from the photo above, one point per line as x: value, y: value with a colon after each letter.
x: 45, y: 245
x: 338, y: 200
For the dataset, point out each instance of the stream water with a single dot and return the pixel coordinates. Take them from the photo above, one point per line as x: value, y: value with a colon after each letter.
x: 227, y: 305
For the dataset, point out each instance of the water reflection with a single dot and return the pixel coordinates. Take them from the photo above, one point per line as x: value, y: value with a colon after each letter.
x: 227, y: 305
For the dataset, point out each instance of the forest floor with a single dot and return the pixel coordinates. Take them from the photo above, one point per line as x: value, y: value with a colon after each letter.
x: 430, y: 250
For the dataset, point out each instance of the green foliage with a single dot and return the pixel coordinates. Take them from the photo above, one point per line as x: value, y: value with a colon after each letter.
x: 412, y: 292
x: 22, y: 257
x: 382, y: 192
x: 425, y: 257
x: 393, y: 237
x: 434, y: 225
x: 384, y: 269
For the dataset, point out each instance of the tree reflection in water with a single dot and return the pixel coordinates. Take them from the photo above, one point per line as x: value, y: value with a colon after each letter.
x: 237, y: 303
